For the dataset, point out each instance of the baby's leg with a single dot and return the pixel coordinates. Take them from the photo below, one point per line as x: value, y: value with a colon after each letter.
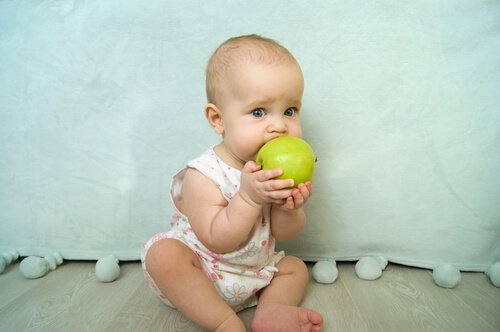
x: 278, y: 303
x: 177, y: 272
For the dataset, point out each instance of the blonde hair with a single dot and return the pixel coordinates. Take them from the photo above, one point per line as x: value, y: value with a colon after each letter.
x: 237, y: 50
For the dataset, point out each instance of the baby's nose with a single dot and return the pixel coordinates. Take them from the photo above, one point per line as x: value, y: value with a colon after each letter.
x: 277, y: 124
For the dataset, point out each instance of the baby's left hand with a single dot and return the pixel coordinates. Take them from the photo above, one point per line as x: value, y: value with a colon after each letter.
x: 299, y: 197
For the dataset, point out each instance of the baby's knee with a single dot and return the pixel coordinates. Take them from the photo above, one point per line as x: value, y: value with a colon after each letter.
x: 295, y: 266
x: 167, y: 256
x: 302, y: 270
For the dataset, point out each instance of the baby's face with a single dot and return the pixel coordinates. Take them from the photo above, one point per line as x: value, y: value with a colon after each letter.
x: 260, y: 102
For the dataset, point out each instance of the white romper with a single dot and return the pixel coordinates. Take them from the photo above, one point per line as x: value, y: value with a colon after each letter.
x: 237, y: 275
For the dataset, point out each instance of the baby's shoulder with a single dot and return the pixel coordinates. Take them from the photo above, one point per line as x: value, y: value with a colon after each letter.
x: 198, y: 184
x: 205, y: 162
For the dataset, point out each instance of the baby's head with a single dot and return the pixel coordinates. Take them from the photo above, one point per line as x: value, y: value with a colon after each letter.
x: 254, y: 91
x: 241, y: 51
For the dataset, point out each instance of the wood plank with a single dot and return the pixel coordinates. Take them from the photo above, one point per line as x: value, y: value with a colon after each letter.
x: 334, y: 302
x: 406, y: 299
x: 32, y: 310
x: 95, y: 304
x: 247, y: 316
x: 359, y: 292
x: 403, y: 299
x: 13, y: 284
x: 69, y: 298
x: 479, y: 294
x: 145, y: 312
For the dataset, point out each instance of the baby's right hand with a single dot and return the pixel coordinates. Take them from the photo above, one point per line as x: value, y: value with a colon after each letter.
x: 258, y: 187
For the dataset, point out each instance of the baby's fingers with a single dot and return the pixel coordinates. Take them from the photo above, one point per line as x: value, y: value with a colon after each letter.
x: 273, y: 185
x: 305, y: 190
x: 309, y: 187
x: 268, y: 174
x: 289, y: 203
x: 251, y: 167
x: 279, y: 195
x: 298, y: 198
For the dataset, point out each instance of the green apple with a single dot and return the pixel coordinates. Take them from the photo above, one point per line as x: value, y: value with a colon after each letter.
x: 292, y: 154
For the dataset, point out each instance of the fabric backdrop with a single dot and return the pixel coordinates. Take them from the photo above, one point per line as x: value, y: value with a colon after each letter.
x: 101, y: 103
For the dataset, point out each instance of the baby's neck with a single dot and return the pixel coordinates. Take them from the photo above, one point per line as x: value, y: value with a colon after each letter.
x: 228, y: 157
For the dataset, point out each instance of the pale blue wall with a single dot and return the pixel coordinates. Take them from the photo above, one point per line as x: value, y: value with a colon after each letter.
x: 101, y: 102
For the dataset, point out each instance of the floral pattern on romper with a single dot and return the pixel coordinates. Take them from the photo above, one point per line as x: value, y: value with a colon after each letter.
x: 237, y: 275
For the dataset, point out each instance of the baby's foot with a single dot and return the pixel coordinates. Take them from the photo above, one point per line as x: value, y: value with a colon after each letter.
x: 277, y: 317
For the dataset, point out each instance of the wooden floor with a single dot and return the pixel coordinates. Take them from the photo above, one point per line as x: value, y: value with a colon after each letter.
x: 403, y: 299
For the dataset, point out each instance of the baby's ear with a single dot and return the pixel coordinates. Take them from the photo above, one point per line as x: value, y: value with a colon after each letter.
x: 214, y: 117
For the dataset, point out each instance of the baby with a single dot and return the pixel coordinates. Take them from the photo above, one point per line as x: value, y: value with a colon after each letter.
x: 218, y: 257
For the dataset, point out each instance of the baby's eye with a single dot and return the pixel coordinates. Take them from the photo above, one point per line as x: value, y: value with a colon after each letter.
x: 258, y: 112
x: 290, y: 111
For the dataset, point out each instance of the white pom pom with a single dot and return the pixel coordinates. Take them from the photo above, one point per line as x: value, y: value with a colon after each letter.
x: 325, y: 272
x: 446, y: 276
x: 6, y: 258
x: 107, y: 269
x: 54, y: 260
x: 494, y: 274
x: 34, y: 267
x: 10, y: 256
x: 370, y: 268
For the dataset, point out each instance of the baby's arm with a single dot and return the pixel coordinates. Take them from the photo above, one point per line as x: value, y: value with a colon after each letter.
x: 208, y: 213
x: 288, y: 219
x: 221, y: 226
